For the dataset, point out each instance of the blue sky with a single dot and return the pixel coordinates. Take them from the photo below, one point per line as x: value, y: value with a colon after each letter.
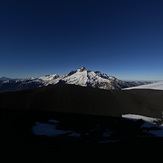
x: 122, y: 38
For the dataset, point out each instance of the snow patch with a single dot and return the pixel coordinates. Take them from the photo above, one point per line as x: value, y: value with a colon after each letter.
x: 149, y: 125
x: 136, y: 117
x: 45, y: 129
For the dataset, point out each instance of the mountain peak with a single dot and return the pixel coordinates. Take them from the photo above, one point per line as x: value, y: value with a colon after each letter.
x: 81, y: 69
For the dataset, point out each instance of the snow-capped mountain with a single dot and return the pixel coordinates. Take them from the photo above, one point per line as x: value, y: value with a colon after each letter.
x: 88, y: 78
x: 81, y: 77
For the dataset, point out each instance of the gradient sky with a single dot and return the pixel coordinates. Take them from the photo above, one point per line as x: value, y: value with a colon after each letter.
x: 123, y: 38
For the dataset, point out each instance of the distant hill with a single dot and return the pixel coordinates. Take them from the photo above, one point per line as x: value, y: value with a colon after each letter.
x: 4, y: 78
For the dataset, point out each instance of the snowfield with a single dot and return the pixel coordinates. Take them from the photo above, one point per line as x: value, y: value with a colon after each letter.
x: 136, y: 117
x: 157, y: 85
x: 150, y: 125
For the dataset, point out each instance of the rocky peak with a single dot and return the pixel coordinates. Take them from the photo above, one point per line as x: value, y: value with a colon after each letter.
x: 81, y: 69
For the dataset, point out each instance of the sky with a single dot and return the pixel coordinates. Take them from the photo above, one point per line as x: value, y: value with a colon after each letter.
x: 123, y: 38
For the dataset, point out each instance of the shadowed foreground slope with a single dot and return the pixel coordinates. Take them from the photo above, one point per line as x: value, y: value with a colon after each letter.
x: 76, y: 99
x: 86, y: 117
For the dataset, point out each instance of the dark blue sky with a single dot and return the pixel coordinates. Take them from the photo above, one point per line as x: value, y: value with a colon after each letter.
x: 123, y: 38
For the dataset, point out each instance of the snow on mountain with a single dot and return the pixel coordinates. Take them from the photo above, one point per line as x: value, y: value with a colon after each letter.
x: 156, y: 85
x: 49, y: 77
x: 95, y: 79
x: 78, y: 77
x: 81, y: 77
x: 89, y: 78
x: 84, y: 77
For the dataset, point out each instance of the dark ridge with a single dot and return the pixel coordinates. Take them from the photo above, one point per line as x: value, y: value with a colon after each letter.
x: 12, y: 85
x: 83, y: 100
x: 80, y: 109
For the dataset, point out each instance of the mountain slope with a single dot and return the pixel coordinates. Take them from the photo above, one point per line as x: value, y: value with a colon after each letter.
x: 83, y: 100
x: 81, y: 77
x: 68, y: 114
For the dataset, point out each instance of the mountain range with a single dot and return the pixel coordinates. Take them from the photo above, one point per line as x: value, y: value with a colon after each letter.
x: 81, y: 77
